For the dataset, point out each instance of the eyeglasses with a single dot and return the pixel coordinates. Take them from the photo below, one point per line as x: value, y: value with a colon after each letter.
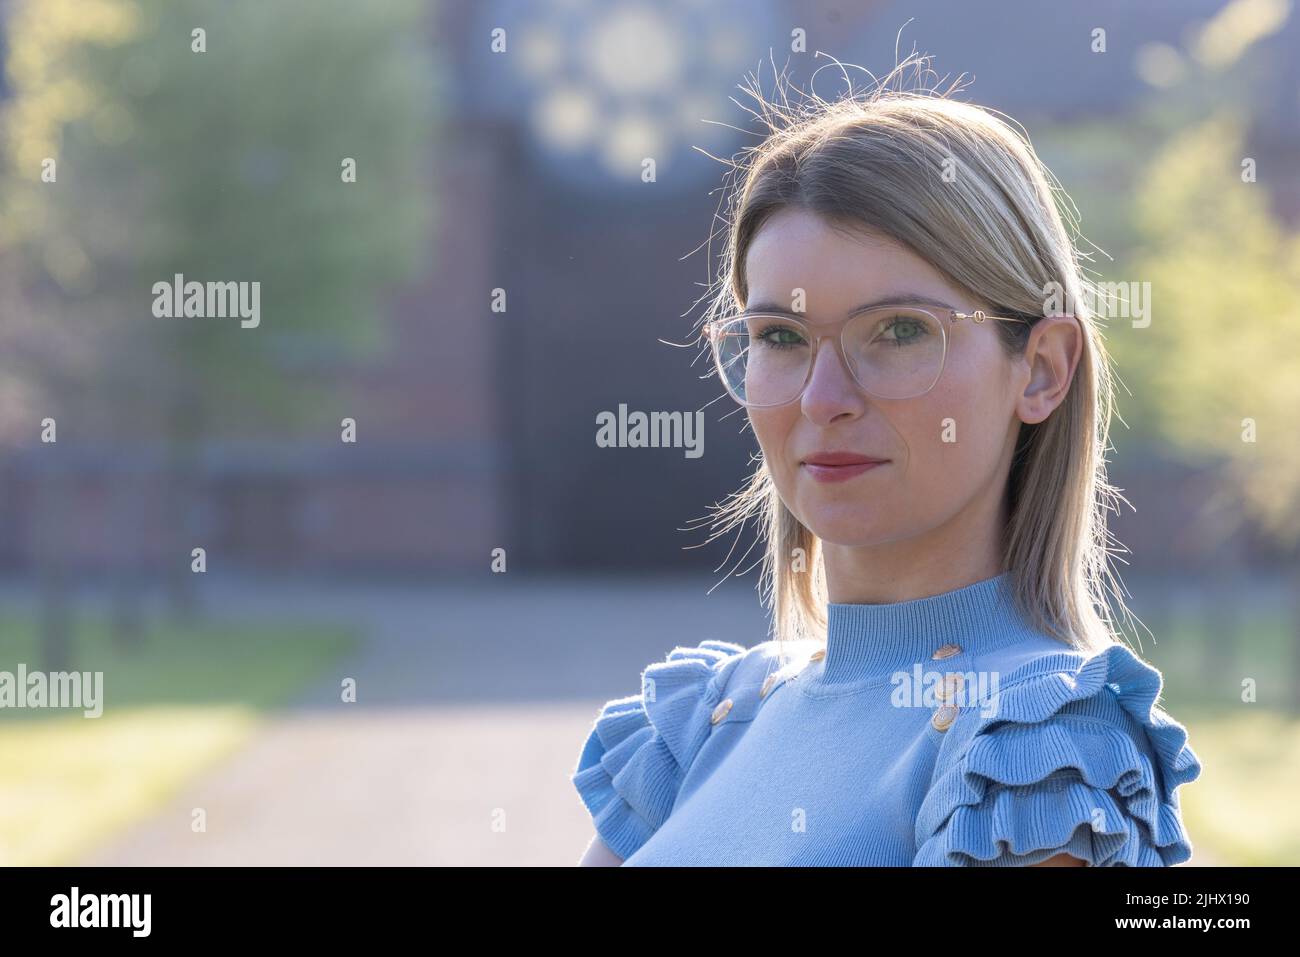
x: 892, y: 352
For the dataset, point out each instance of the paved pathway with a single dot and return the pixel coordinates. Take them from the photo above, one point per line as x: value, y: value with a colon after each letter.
x: 466, y: 726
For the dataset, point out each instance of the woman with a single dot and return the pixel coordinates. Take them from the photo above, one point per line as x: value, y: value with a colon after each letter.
x: 900, y: 314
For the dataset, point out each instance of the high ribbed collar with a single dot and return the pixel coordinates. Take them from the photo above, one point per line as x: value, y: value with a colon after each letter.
x: 871, y: 641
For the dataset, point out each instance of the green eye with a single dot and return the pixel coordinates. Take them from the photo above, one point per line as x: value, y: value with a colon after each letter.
x: 904, y: 331
x: 780, y: 336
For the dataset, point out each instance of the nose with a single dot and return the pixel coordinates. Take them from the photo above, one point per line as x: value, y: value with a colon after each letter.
x: 831, y: 392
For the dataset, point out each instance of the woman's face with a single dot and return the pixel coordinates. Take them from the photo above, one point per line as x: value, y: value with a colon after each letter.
x: 947, y: 452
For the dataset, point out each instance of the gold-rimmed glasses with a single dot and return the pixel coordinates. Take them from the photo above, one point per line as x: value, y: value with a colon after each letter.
x: 892, y: 352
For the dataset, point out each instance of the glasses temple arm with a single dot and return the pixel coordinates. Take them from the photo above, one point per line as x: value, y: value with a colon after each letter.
x: 980, y: 315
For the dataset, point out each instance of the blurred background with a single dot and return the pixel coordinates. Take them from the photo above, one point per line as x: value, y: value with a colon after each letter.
x: 459, y: 254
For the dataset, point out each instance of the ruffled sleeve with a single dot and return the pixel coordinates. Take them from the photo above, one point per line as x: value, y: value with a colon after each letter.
x: 1070, y: 754
x: 640, y: 747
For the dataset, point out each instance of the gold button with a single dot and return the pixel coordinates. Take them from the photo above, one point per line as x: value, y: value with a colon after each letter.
x: 952, y: 683
x: 943, y: 717
x: 947, y: 651
x: 767, y: 685
x: 721, y: 710
x: 818, y: 655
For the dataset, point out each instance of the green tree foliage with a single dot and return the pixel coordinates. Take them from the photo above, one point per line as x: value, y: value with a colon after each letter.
x: 142, y: 139
x: 1220, y: 355
x: 223, y: 165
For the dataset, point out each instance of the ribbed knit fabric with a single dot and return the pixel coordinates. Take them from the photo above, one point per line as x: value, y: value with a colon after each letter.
x: 1009, y: 751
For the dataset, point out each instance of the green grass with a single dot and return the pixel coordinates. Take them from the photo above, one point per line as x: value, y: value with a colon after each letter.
x: 185, y: 698
x: 1242, y: 809
x: 1205, y: 662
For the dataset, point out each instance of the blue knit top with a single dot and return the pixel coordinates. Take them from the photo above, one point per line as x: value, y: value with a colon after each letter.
x: 939, y: 731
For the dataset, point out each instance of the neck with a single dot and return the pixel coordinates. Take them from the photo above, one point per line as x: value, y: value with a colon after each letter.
x: 872, y: 641
x: 964, y: 550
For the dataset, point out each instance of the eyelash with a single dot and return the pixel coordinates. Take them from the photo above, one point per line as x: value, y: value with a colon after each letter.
x: 762, y: 336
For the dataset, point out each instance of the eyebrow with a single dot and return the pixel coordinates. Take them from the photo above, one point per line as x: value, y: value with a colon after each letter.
x: 898, y: 299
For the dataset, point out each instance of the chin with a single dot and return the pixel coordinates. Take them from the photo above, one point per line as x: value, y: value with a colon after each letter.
x: 850, y: 525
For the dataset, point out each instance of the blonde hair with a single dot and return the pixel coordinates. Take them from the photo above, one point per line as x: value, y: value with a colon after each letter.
x: 875, y: 162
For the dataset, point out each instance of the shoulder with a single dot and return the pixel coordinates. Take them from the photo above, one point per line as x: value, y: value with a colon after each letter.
x: 639, y: 747
x: 673, y: 693
x: 1060, y: 751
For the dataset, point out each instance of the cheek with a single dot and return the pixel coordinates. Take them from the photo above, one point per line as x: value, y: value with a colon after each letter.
x: 955, y: 433
x: 770, y: 430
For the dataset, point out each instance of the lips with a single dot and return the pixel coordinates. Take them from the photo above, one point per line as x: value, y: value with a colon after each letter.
x: 841, y: 458
x: 839, y: 466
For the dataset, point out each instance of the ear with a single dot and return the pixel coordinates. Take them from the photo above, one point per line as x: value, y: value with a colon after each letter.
x: 1052, y: 354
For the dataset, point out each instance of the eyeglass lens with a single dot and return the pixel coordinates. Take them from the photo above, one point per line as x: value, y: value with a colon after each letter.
x: 893, y: 353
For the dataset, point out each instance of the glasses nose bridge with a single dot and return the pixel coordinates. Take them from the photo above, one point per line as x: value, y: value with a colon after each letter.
x: 837, y: 346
